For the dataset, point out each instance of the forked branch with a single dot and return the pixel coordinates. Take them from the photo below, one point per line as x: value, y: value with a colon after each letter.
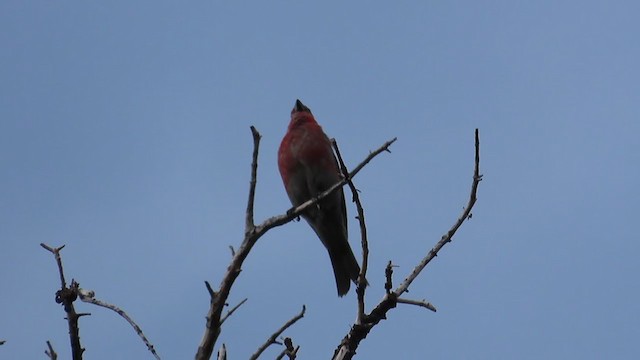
x: 251, y: 235
x: 359, y: 331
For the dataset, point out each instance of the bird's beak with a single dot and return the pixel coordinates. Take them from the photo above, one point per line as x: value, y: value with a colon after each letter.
x: 300, y: 107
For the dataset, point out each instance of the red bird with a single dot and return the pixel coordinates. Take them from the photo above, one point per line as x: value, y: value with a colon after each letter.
x: 308, y: 167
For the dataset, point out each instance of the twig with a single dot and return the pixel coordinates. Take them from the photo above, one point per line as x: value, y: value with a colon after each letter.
x: 272, y: 339
x: 289, y: 350
x: 66, y: 296
x: 358, y: 332
x: 50, y: 352
x: 254, y: 178
x: 222, y: 353
x: 89, y: 297
x: 251, y: 235
x: 362, y: 277
x: 212, y: 293
x: 232, y: 311
x: 423, y: 303
x: 388, y: 275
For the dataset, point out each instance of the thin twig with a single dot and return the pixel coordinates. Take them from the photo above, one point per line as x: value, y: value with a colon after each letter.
x: 288, y: 350
x: 89, y: 297
x: 362, y: 277
x: 66, y: 296
x: 56, y: 254
x: 422, y: 303
x: 212, y: 293
x: 254, y: 178
x: 50, y: 352
x: 230, y: 312
x: 222, y: 353
x: 358, y: 332
x: 252, y: 234
x: 388, y: 275
x: 272, y: 339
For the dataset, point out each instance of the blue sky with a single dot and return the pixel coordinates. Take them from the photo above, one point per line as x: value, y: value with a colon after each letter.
x: 124, y: 134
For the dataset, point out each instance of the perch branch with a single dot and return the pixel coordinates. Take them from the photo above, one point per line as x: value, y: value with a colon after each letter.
x: 251, y: 235
x: 272, y: 339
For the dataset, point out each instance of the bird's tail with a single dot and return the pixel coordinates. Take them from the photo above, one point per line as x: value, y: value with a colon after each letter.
x: 345, y: 268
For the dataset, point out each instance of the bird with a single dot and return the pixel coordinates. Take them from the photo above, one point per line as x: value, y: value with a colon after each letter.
x: 309, y: 167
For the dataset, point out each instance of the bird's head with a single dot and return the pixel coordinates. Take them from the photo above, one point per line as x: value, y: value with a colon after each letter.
x: 300, y: 114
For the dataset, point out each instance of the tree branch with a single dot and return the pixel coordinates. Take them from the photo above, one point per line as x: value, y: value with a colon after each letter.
x: 251, y: 235
x: 288, y: 350
x: 50, y: 352
x: 272, y: 339
x: 362, y: 277
x: 254, y: 178
x: 89, y: 297
x: 358, y: 332
x: 66, y: 296
x: 423, y: 303
x: 230, y: 312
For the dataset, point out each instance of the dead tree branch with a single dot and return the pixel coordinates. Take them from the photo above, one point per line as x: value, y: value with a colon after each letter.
x: 289, y: 350
x: 362, y: 278
x: 66, y: 296
x: 89, y: 297
x: 359, y: 331
x: 272, y: 339
x: 251, y: 235
x: 50, y: 352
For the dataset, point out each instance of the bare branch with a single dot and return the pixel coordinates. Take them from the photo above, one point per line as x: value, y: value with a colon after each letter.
x: 252, y: 234
x: 289, y: 350
x: 253, y: 182
x: 66, y: 296
x: 56, y: 253
x: 88, y: 296
x: 50, y: 352
x: 388, y: 274
x: 212, y: 293
x: 272, y: 339
x: 358, y: 332
x: 222, y: 353
x: 422, y: 303
x: 362, y: 278
x: 230, y: 312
